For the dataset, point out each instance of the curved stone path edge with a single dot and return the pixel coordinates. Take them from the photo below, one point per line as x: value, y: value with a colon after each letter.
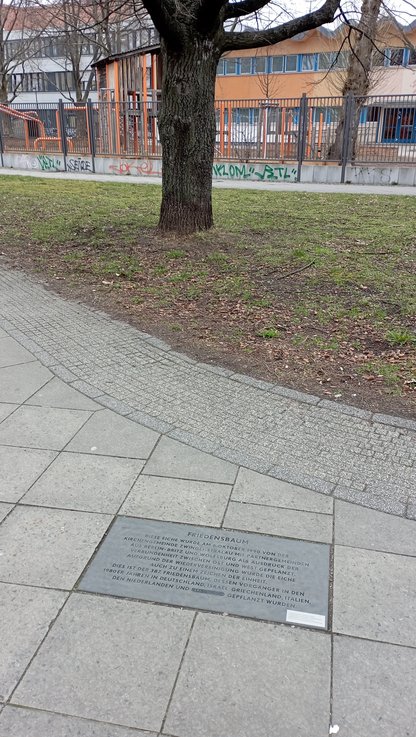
x: 330, y: 448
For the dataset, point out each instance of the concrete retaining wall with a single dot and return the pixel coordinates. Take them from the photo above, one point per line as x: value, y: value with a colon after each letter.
x: 226, y: 170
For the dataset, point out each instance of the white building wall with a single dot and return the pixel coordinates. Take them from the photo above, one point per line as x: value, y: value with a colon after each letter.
x: 49, y: 64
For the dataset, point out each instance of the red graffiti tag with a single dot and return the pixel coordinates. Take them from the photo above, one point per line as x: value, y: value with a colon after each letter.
x: 133, y: 168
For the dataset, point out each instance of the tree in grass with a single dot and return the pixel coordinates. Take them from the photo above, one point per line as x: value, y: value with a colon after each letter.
x: 194, y: 34
x: 364, y: 45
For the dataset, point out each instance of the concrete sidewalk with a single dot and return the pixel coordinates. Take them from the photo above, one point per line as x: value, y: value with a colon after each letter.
x: 224, y: 184
x: 329, y: 447
x: 82, y: 665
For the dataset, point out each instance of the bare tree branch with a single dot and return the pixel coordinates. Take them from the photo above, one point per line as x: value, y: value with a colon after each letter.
x: 243, y: 8
x: 86, y: 30
x: 255, y: 39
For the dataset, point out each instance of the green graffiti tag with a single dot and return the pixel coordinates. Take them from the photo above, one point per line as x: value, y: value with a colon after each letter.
x: 262, y: 172
x: 49, y: 163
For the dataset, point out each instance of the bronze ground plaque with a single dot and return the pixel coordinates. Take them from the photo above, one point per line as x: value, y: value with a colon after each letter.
x: 257, y: 576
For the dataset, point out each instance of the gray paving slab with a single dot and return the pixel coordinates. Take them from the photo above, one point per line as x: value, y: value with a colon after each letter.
x: 374, y: 689
x: 106, y: 433
x: 108, y: 659
x: 48, y: 547
x: 256, y: 488
x: 12, y: 353
x: 25, y: 615
x: 20, y: 467
x: 20, y: 722
x: 242, y: 678
x: 45, y: 428
x: 4, y: 510
x: 172, y: 458
x: 278, y: 521
x: 178, y: 500
x: 85, y: 482
x: 18, y: 383
x: 374, y: 595
x: 58, y: 394
x: 359, y: 527
x: 3, y: 333
x: 6, y: 410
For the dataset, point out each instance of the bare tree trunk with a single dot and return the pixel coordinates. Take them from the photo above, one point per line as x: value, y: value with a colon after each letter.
x: 358, y: 76
x: 194, y: 34
x: 3, y: 90
x: 187, y: 132
x: 79, y: 95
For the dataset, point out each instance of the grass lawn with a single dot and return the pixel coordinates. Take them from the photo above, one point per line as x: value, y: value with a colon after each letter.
x: 316, y: 292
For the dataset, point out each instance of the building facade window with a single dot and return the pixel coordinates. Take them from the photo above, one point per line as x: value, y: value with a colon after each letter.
x: 232, y: 66
x: 48, y: 82
x: 221, y: 68
x: 399, y: 125
x: 395, y: 57
x: 277, y: 63
x: 245, y: 115
x: 246, y: 65
x: 325, y: 60
x: 308, y: 63
x: 260, y: 64
x: 291, y: 63
x: 288, y: 64
x: 326, y: 115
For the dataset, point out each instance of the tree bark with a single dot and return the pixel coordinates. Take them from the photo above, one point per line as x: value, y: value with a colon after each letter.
x: 193, y: 37
x: 187, y: 132
x: 3, y: 90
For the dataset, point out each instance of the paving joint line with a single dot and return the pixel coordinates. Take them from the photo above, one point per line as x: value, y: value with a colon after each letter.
x: 48, y: 630
x: 178, y: 672
x: 133, y: 730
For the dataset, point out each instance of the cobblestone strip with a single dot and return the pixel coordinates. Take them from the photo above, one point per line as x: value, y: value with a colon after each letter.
x: 325, y: 446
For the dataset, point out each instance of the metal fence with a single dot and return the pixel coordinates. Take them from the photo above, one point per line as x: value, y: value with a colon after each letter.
x: 338, y: 130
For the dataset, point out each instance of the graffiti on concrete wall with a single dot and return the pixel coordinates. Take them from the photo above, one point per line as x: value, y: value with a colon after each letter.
x: 134, y: 168
x: 50, y: 163
x: 153, y: 167
x: 371, y: 175
x: 79, y: 165
x: 55, y: 163
x: 256, y: 172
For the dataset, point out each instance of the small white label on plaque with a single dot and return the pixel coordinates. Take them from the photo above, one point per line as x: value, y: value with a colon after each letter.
x: 313, y: 620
